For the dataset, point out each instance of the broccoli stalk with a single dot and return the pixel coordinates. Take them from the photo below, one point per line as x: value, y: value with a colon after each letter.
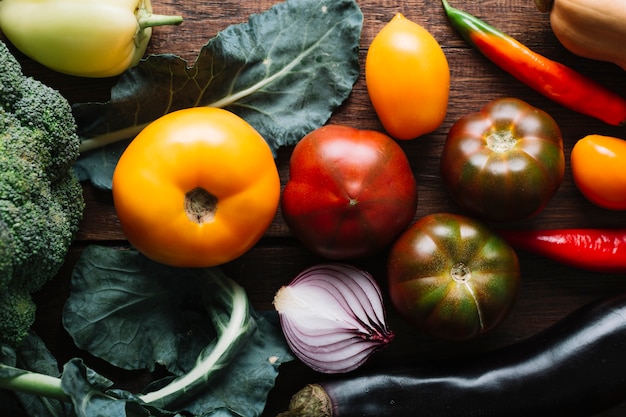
x: 41, y: 201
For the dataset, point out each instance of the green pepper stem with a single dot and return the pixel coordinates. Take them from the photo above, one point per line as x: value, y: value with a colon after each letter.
x: 152, y: 20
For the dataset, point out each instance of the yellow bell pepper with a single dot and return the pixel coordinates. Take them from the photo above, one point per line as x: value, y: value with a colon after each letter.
x: 88, y: 38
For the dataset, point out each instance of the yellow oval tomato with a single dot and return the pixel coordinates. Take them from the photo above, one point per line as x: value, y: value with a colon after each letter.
x: 599, y: 170
x: 196, y: 188
x: 407, y: 78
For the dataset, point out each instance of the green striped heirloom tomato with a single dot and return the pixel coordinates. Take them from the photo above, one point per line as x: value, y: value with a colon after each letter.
x: 452, y: 277
x: 350, y: 192
x: 504, y: 162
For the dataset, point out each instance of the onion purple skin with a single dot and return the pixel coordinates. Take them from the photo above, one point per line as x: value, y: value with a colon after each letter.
x: 333, y: 317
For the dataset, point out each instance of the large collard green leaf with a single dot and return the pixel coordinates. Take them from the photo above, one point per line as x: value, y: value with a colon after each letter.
x: 135, y: 313
x: 284, y: 71
x: 91, y: 398
x: 98, y: 166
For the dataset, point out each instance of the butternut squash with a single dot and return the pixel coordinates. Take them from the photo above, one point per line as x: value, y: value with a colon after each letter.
x: 594, y: 29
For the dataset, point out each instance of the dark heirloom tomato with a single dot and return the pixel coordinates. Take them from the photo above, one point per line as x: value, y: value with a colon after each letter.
x: 350, y: 192
x: 451, y: 277
x: 504, y: 162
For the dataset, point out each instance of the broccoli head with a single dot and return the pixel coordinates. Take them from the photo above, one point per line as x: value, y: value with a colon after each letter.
x: 41, y: 201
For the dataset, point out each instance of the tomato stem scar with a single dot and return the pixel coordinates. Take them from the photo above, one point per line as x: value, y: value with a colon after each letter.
x: 200, y: 205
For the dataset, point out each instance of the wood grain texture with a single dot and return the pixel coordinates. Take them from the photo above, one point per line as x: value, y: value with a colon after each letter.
x: 549, y: 291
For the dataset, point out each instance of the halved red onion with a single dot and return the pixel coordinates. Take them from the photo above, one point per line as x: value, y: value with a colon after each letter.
x: 333, y: 317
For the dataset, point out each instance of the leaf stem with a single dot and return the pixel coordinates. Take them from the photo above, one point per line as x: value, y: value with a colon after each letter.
x: 230, y: 340
x: 104, y: 139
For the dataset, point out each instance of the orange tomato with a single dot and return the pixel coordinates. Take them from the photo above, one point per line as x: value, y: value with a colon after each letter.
x: 599, y: 170
x: 407, y: 78
x: 196, y: 188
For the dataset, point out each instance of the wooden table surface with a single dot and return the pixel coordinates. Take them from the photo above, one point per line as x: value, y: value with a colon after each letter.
x: 548, y: 291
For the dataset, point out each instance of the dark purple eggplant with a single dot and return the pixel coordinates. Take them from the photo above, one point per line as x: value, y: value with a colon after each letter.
x: 575, y: 368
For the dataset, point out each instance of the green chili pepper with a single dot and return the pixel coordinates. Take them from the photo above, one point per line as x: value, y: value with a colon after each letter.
x: 89, y: 38
x: 552, y: 79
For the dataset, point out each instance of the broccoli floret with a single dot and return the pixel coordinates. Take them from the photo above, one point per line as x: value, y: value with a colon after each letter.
x: 6, y: 255
x: 41, y: 201
x: 16, y: 315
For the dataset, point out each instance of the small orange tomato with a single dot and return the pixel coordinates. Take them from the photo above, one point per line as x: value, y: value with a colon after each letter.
x: 599, y: 170
x: 196, y: 188
x: 407, y: 78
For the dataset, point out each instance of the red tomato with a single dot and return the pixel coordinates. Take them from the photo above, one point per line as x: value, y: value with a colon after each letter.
x: 599, y: 170
x: 350, y: 192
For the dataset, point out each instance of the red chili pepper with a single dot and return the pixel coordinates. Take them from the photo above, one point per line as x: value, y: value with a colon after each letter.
x: 598, y: 250
x: 550, y: 78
